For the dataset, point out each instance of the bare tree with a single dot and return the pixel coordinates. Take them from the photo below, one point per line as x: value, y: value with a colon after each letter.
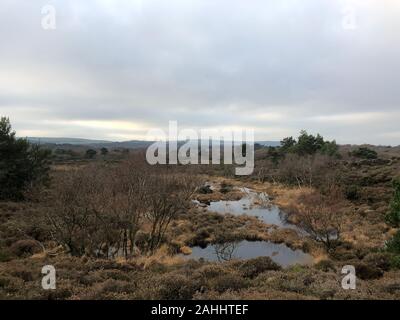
x: 309, y: 170
x: 167, y: 196
x: 322, y: 217
x: 99, y: 209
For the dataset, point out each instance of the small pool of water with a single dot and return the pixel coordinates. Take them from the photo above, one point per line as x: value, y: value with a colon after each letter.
x: 253, y: 204
x: 280, y: 253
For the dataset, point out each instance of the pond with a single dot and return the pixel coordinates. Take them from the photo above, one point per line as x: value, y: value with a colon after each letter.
x: 279, y: 253
x: 253, y: 204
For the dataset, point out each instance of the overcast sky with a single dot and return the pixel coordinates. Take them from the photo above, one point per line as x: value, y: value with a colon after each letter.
x: 114, y: 69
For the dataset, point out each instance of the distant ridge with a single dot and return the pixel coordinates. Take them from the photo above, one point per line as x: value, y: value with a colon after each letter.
x: 74, y: 141
x: 269, y: 143
x: 132, y: 144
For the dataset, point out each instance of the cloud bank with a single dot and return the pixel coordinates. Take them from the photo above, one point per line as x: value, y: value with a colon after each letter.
x: 114, y: 69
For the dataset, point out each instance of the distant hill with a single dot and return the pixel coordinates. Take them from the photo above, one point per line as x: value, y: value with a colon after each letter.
x: 77, y: 142
x: 132, y: 144
x: 269, y: 143
x: 73, y: 141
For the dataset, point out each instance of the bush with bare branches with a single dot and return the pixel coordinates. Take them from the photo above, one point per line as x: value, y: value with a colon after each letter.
x: 98, y: 210
x: 322, y: 216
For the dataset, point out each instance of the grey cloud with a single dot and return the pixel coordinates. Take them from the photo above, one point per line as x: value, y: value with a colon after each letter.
x: 204, y: 63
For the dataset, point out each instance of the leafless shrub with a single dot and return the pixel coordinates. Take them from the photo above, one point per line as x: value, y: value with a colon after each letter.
x: 98, y: 210
x: 322, y: 216
x: 316, y: 170
x: 166, y: 197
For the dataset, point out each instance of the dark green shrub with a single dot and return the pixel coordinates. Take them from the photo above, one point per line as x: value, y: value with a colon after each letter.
x: 22, y: 165
x: 393, y: 245
x: 393, y: 216
x: 308, y: 144
x: 395, y: 262
x: 288, y: 143
x: 331, y: 149
x: 364, y: 153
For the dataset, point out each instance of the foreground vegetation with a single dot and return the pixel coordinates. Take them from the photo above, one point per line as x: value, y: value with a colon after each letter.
x: 117, y: 228
x: 167, y: 278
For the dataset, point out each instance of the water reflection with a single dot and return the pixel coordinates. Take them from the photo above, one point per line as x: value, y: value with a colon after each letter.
x: 280, y: 253
x: 253, y: 204
x: 224, y: 251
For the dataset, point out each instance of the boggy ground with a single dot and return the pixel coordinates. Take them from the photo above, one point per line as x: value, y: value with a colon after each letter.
x: 364, y: 226
x: 166, y: 275
x: 201, y: 227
